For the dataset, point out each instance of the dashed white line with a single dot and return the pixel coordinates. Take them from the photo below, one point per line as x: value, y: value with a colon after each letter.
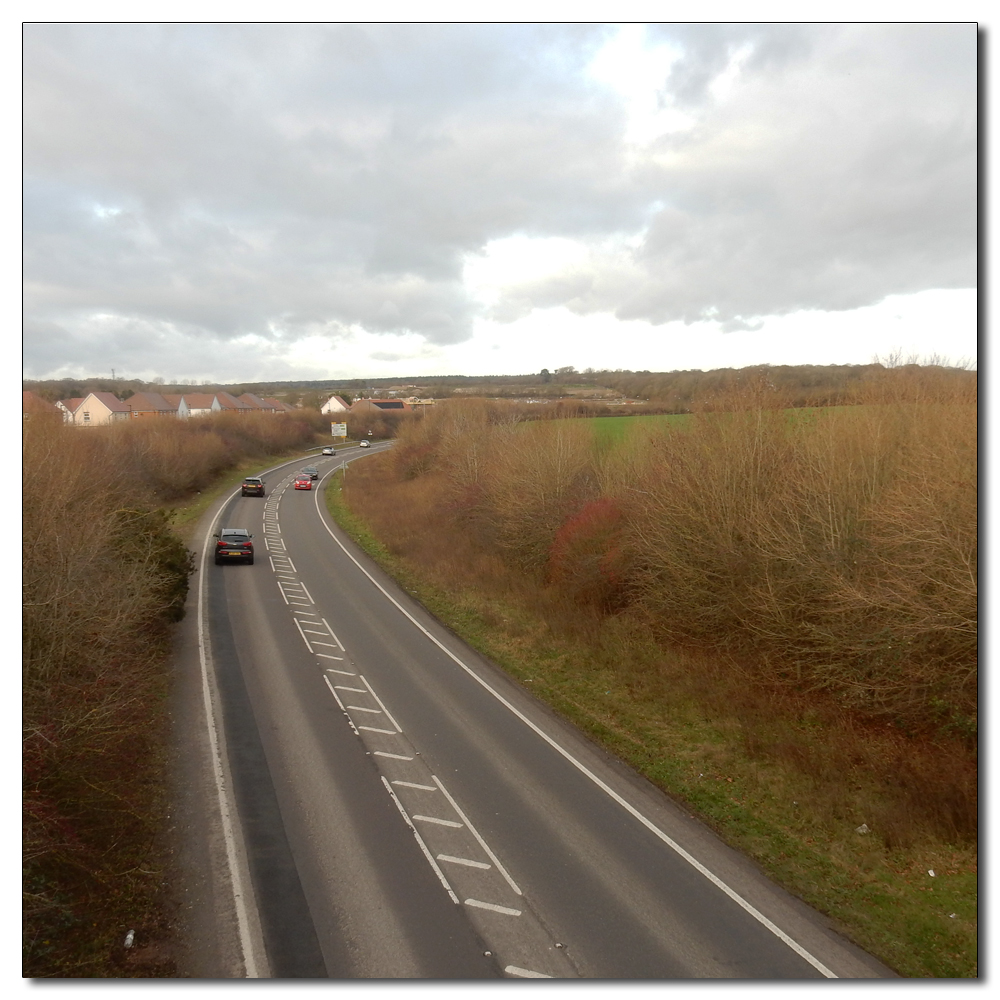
x: 394, y: 756
x: 495, y: 907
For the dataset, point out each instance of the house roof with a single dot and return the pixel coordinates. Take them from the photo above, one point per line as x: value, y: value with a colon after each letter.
x: 30, y: 403
x: 382, y: 404
x: 229, y: 402
x: 278, y: 403
x: 110, y: 400
x: 199, y: 400
x: 255, y: 401
x: 72, y: 404
x: 151, y: 401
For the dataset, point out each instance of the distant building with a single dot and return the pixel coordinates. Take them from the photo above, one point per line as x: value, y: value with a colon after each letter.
x: 374, y: 405
x: 335, y: 404
x: 151, y: 404
x: 95, y: 410
x: 35, y: 406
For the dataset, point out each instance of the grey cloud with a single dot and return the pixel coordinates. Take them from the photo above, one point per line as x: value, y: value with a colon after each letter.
x: 216, y: 181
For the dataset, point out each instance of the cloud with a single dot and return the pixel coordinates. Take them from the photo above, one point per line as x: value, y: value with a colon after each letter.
x: 190, y: 186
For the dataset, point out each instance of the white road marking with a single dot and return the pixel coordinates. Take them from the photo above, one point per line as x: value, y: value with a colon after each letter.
x: 420, y: 840
x: 583, y: 769
x: 394, y: 756
x: 387, y: 732
x: 379, y: 700
x: 482, y: 843
x: 358, y: 708
x: 331, y: 670
x: 341, y: 704
x: 314, y: 632
x: 460, y: 861
x: 343, y: 687
x: 413, y: 784
x: 316, y: 642
x: 513, y: 970
x: 304, y: 639
x: 495, y: 907
x: 334, y: 634
x: 440, y: 822
x: 327, y: 656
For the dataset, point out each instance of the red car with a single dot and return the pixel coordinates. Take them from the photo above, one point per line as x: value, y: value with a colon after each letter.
x: 303, y: 482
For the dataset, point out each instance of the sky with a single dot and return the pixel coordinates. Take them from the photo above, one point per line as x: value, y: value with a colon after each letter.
x: 235, y: 202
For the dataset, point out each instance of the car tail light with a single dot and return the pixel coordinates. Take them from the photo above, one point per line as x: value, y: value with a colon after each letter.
x: 248, y: 545
x: 220, y: 544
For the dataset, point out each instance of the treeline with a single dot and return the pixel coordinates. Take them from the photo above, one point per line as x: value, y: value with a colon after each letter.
x: 104, y: 578
x: 837, y: 546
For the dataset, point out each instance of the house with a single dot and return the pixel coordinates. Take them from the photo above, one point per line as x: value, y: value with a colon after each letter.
x: 97, y: 410
x: 279, y: 405
x: 68, y: 408
x: 35, y: 406
x: 197, y: 404
x: 374, y: 405
x: 257, y: 403
x: 151, y: 404
x: 230, y: 404
x: 335, y: 404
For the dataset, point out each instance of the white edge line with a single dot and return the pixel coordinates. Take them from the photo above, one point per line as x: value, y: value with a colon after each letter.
x: 475, y: 833
x: 379, y: 700
x: 420, y: 841
x: 242, y: 892
x: 652, y: 827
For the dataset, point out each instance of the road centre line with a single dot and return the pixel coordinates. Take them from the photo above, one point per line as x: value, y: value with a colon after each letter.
x: 496, y: 908
x: 458, y: 861
x: 350, y: 721
x: 304, y: 639
x: 748, y: 907
x: 334, y: 634
x: 420, y: 840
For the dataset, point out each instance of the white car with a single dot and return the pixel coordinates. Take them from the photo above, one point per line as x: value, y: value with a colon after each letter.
x: 364, y: 444
x: 327, y: 451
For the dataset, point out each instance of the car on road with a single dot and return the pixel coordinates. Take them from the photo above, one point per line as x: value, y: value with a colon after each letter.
x: 364, y: 444
x: 233, y: 545
x: 311, y: 471
x: 253, y: 486
x: 303, y: 481
x: 327, y: 451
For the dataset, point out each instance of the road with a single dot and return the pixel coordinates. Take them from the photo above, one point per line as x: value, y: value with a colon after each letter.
x: 391, y: 805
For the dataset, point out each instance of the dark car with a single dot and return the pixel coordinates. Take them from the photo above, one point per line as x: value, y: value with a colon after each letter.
x: 233, y: 545
x: 311, y: 471
x: 253, y: 487
x: 303, y: 481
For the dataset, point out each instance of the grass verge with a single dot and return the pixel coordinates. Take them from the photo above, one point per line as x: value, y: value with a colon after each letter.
x: 666, y: 726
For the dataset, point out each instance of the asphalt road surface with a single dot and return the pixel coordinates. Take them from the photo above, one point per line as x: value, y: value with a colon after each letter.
x: 381, y: 802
